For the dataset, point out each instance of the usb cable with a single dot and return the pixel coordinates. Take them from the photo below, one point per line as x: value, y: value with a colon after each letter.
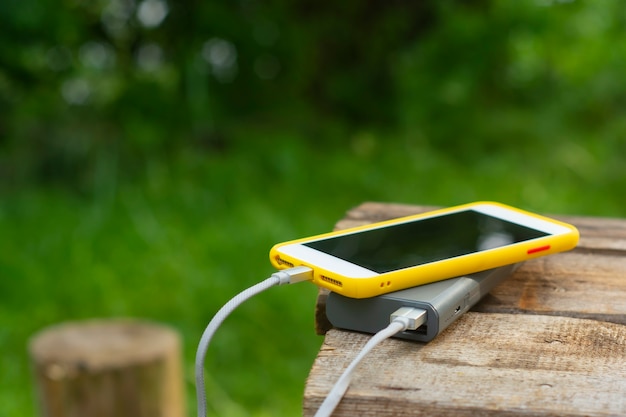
x: 286, y: 276
x: 405, y: 318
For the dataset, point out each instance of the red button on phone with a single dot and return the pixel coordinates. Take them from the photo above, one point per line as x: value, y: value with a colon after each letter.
x: 538, y: 249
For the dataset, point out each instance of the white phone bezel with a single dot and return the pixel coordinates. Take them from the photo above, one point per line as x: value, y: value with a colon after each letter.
x: 546, y: 226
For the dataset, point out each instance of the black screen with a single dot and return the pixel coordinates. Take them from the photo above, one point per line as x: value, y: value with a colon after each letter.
x: 424, y: 241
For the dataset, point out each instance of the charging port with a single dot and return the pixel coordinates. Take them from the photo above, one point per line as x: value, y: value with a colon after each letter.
x: 423, y: 330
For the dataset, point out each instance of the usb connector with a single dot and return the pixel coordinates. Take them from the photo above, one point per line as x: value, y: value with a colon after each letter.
x: 412, y: 318
x: 293, y: 275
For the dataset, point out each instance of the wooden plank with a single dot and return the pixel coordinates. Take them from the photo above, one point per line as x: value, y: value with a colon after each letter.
x: 572, y: 284
x: 486, y: 364
x: 588, y: 282
x: 529, y: 348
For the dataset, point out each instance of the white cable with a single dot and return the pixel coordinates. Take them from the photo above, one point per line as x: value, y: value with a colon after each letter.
x: 341, y: 386
x: 288, y: 276
x: 401, y: 320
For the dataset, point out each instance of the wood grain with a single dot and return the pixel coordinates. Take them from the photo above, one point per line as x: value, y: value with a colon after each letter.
x: 548, y: 341
x: 485, y: 365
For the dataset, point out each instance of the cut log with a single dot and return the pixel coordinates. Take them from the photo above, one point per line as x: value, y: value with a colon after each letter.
x: 108, y: 368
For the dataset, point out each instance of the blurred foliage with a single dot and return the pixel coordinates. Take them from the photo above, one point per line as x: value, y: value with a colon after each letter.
x: 115, y: 82
x: 92, y: 78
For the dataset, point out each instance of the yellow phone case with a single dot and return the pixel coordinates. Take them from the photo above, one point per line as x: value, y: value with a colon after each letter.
x: 430, y: 272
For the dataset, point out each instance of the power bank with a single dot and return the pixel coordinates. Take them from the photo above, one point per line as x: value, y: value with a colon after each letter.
x: 444, y: 302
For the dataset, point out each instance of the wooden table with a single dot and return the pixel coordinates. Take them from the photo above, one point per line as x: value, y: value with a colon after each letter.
x: 548, y: 341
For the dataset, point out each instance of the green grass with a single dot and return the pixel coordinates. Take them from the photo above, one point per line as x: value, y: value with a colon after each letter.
x: 176, y: 242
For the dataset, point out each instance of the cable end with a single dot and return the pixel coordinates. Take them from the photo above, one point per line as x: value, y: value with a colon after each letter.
x: 411, y: 317
x: 294, y: 275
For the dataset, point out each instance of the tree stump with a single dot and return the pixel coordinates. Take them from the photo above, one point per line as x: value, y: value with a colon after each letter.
x: 107, y: 368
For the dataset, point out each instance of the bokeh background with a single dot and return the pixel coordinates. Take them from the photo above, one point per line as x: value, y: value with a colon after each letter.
x: 152, y: 151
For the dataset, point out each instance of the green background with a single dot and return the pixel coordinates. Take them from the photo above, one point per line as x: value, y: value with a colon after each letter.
x: 151, y: 153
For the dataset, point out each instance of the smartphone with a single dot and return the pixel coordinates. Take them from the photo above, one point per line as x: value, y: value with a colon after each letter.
x: 379, y: 258
x: 444, y: 301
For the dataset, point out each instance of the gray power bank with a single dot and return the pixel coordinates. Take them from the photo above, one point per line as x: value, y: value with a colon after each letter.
x: 444, y: 302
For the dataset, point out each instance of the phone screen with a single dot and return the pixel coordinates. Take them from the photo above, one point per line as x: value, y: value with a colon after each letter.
x: 423, y: 241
